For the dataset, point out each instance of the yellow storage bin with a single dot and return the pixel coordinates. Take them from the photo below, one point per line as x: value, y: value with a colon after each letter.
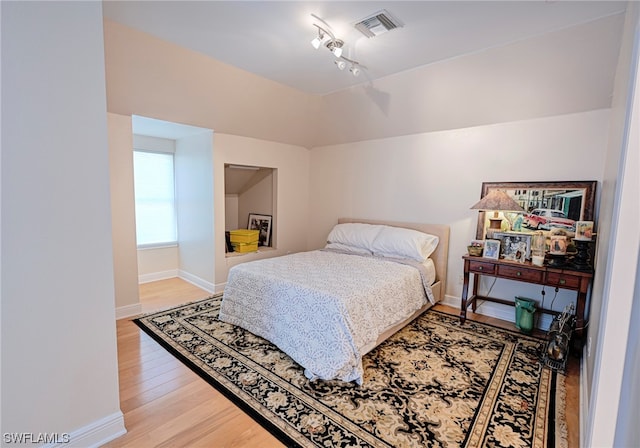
x: 244, y: 236
x: 245, y: 247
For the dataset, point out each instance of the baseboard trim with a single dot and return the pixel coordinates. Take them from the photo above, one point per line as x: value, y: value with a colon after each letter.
x: 95, y: 434
x: 123, y: 312
x: 197, y: 281
x: 184, y: 275
x: 155, y: 276
x: 503, y: 312
x: 220, y: 287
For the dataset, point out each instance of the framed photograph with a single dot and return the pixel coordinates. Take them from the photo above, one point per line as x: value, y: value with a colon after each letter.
x: 514, y: 246
x: 584, y: 230
x: 491, y: 249
x: 547, y: 205
x: 263, y: 224
x: 558, y: 245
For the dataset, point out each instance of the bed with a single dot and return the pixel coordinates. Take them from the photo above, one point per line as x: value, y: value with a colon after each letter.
x: 327, y: 308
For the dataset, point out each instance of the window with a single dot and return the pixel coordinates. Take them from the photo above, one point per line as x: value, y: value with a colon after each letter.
x: 155, y: 198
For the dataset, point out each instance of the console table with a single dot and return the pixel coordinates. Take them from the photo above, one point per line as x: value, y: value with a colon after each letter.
x: 563, y: 278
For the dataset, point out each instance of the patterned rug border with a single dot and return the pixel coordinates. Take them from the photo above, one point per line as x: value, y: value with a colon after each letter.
x: 556, y: 397
x: 260, y: 419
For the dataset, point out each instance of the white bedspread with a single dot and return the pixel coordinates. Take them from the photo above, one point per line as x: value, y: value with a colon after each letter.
x: 322, y: 308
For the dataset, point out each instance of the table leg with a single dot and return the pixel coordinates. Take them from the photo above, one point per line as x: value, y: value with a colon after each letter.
x: 465, y: 294
x: 580, y: 322
x: 474, y: 300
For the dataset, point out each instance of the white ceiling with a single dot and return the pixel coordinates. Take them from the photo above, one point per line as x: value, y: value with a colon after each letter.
x: 272, y: 38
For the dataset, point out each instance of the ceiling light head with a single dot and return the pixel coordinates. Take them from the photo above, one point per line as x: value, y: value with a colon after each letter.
x: 340, y: 64
x: 321, y: 39
x: 335, y: 46
x: 355, y: 71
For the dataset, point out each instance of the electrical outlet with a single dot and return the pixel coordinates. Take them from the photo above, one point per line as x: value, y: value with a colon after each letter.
x: 589, y: 347
x: 460, y: 279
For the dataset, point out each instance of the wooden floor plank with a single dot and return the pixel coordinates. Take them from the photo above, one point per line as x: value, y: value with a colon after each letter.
x: 165, y: 404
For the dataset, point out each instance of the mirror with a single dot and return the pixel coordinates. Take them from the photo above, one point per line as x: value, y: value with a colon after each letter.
x: 547, y: 205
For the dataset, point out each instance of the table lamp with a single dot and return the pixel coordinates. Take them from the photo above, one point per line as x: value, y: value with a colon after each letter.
x: 496, y: 201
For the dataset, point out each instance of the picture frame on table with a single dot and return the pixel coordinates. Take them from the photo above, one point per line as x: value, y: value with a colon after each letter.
x: 514, y: 246
x: 491, y: 249
x: 263, y: 224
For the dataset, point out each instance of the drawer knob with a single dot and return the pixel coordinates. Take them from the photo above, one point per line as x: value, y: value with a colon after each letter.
x: 479, y: 268
x: 562, y: 281
x: 518, y: 274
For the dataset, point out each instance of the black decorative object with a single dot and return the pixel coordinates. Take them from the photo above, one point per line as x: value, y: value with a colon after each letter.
x: 582, y: 259
x: 557, y: 260
x: 227, y: 238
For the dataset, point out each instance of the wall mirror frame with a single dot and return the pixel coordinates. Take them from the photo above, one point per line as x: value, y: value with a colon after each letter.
x: 575, y: 199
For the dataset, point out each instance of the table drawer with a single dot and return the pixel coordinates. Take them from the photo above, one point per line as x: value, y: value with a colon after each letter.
x: 482, y: 268
x: 518, y: 273
x: 563, y: 280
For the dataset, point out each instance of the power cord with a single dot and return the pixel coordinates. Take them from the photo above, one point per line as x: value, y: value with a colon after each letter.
x: 554, y: 298
x: 479, y: 304
x: 543, y: 293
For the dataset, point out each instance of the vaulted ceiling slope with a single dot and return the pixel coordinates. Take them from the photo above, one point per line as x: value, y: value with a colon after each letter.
x: 453, y: 64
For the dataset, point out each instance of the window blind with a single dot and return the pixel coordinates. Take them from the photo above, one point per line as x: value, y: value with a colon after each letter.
x: 154, y: 185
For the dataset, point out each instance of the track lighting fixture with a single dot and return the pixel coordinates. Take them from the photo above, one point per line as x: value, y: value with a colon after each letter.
x: 334, y: 45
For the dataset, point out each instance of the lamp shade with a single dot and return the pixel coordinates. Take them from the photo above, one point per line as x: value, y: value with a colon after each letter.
x: 497, y: 200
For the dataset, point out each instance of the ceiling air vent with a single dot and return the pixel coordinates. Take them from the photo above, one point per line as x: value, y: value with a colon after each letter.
x: 378, y: 23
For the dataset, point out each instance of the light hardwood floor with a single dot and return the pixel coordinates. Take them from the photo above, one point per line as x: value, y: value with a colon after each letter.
x: 165, y: 404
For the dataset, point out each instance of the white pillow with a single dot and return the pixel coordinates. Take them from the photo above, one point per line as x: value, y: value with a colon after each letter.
x: 398, y: 242
x: 350, y: 249
x: 355, y: 234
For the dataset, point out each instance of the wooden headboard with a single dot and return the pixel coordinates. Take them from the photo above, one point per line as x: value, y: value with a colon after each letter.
x: 440, y: 255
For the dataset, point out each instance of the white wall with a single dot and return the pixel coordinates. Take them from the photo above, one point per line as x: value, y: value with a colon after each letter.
x: 158, y: 263
x: 257, y: 199
x: 194, y: 199
x: 613, y: 157
x: 125, y: 258
x: 627, y: 428
x: 231, y: 220
x: 610, y: 332
x: 435, y: 177
x: 291, y: 203
x: 59, y: 361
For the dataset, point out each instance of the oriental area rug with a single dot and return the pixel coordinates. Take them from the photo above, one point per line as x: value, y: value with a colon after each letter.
x: 435, y: 383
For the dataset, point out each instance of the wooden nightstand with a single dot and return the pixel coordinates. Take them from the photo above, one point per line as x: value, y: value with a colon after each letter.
x: 563, y: 278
